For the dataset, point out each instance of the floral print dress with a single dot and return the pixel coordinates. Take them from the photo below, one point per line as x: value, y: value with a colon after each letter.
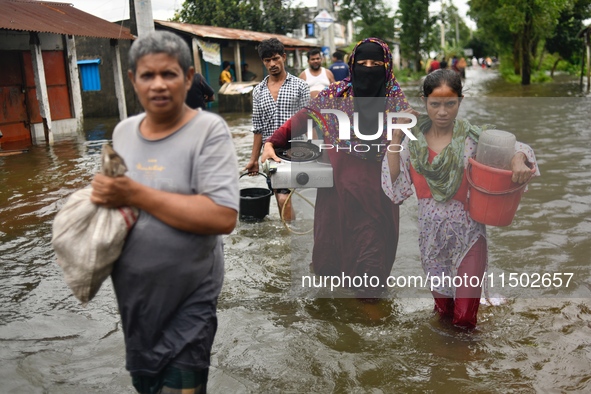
x: 446, y: 230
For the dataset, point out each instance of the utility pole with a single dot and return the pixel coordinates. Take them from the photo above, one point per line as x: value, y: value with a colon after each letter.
x: 327, y: 34
x: 144, y: 19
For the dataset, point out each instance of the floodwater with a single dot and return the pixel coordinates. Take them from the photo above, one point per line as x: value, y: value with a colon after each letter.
x: 269, y: 341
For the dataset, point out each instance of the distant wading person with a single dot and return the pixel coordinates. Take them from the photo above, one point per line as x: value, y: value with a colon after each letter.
x: 184, y: 179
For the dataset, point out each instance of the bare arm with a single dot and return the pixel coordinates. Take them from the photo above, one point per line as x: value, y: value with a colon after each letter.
x: 330, y: 76
x: 393, y: 155
x: 303, y: 75
x: 395, y: 147
x: 269, y: 153
x: 253, y: 164
x: 258, y: 122
x: 193, y: 213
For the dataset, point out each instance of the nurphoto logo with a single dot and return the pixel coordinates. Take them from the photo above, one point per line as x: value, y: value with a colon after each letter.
x: 345, y: 130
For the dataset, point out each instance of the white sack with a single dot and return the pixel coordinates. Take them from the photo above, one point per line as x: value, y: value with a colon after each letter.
x: 87, y: 239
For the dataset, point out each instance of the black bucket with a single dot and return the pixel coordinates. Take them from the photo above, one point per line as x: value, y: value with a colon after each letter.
x: 254, y: 203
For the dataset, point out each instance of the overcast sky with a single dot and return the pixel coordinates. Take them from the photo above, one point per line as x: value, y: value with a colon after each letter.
x: 115, y: 10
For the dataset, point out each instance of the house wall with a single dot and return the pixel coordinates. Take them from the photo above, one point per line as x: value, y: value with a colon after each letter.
x: 27, y: 128
x: 103, y: 103
x: 11, y: 40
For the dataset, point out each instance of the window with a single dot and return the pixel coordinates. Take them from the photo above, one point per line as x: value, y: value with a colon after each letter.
x: 310, y: 30
x: 89, y: 74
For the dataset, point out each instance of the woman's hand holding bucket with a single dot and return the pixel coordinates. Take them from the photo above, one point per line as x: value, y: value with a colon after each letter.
x: 521, y: 171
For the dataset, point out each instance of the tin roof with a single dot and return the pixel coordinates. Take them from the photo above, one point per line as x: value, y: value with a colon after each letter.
x: 225, y: 33
x: 58, y: 18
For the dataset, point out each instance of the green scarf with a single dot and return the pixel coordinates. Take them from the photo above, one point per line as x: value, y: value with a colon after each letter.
x: 444, y: 175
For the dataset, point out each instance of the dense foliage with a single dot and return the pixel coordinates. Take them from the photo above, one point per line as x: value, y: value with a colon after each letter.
x: 269, y: 16
x: 372, y: 18
x: 415, y: 28
x: 519, y: 26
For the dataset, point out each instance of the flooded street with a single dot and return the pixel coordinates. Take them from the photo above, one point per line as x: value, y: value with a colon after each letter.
x: 271, y: 341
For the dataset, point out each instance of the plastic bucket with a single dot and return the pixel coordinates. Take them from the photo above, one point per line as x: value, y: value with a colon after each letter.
x: 494, y: 198
x: 254, y: 203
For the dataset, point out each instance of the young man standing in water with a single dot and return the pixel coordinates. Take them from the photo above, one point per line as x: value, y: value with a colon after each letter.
x: 279, y: 96
x: 317, y: 77
x: 184, y: 179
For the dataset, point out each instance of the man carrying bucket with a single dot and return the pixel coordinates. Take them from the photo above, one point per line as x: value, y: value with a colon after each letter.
x: 451, y: 241
x: 279, y: 96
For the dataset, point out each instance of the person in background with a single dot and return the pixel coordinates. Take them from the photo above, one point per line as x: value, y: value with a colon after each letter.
x: 450, y: 241
x: 462, y: 64
x: 183, y: 178
x: 274, y: 100
x: 454, y: 64
x: 247, y: 75
x: 443, y: 63
x: 339, y: 68
x: 200, y: 93
x: 434, y: 65
x: 355, y: 224
x: 225, y: 75
x: 317, y: 77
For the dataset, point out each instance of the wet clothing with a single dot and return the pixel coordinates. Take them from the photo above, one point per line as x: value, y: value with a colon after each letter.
x: 200, y: 93
x: 463, y: 309
x: 355, y: 224
x: 447, y: 233
x: 340, y: 70
x: 172, y: 381
x: 166, y: 280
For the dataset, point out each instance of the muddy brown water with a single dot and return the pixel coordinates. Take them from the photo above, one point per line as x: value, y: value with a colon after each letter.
x: 270, y: 341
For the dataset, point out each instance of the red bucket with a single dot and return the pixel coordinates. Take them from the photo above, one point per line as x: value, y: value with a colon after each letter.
x: 494, y: 198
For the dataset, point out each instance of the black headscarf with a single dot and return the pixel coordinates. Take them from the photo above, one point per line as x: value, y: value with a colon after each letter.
x: 369, y: 81
x: 369, y: 87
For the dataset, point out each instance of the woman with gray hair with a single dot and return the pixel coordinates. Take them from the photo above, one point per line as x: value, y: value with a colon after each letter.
x: 183, y: 177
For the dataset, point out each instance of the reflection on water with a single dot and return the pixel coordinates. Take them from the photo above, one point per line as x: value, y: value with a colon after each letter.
x: 269, y: 341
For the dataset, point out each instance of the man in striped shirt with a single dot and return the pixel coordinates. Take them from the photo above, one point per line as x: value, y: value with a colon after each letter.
x: 276, y: 99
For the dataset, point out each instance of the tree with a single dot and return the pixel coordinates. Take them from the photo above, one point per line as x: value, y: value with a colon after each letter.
x: 372, y: 16
x: 415, y: 25
x: 454, y: 30
x: 269, y: 16
x: 526, y: 21
x: 493, y: 31
x: 564, y: 41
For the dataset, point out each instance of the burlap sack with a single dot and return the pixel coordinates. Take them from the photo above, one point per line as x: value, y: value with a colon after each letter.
x: 87, y: 239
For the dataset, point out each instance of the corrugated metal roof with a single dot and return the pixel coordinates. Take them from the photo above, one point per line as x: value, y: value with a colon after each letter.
x: 225, y: 33
x: 58, y: 18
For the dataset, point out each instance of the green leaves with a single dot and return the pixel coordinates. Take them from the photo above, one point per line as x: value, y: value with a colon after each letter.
x: 517, y: 25
x: 415, y: 26
x: 269, y: 16
x: 372, y: 17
